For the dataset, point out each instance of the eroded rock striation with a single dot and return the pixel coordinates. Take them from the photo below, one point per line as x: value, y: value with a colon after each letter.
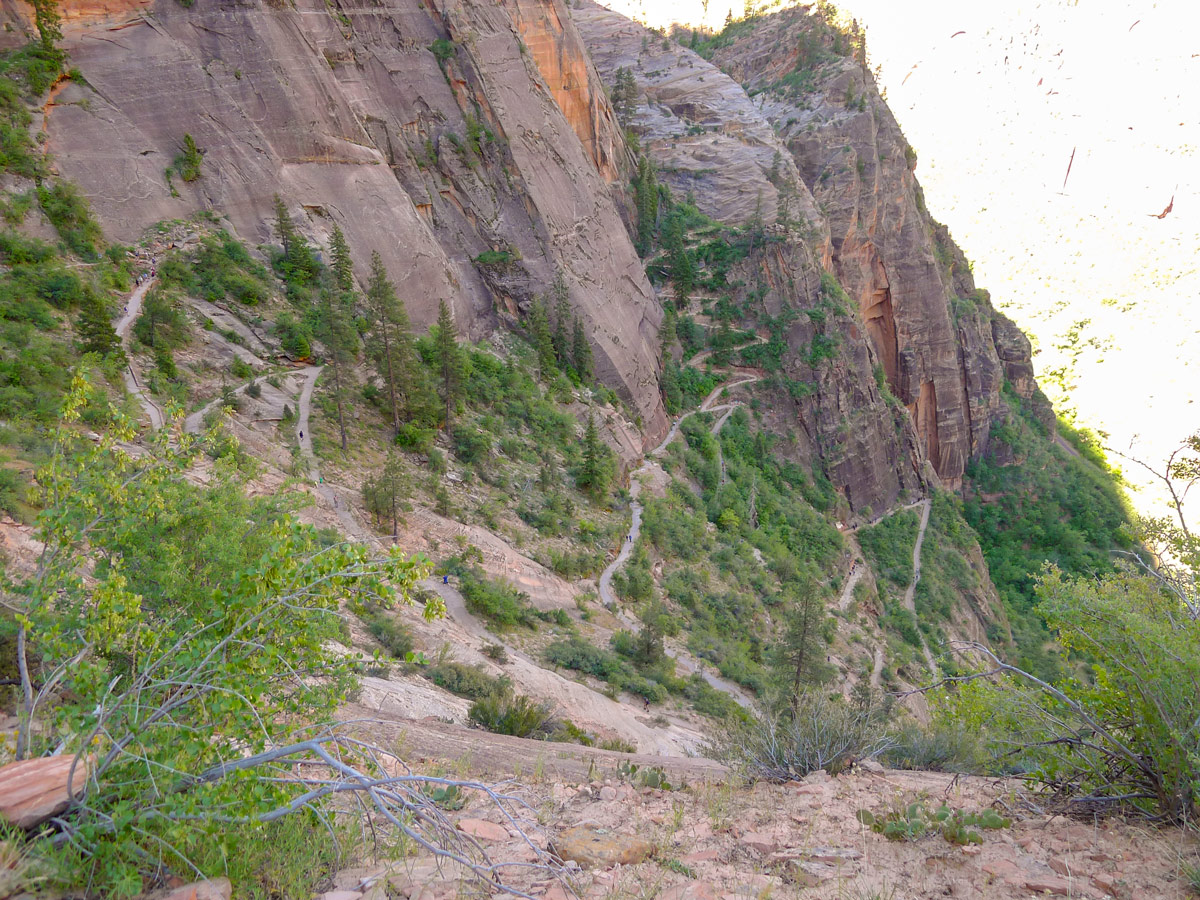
x: 780, y: 128
x: 430, y: 132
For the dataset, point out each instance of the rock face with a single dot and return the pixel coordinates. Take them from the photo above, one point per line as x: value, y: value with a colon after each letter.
x: 34, y: 790
x: 928, y: 325
x: 501, y: 140
x: 818, y: 150
x: 711, y: 142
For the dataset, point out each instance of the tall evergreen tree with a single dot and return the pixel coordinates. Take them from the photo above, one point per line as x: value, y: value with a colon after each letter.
x: 668, y: 334
x: 384, y: 493
x: 338, y: 335
x: 543, y: 342
x: 452, y: 365
x: 392, y: 338
x: 284, y: 229
x: 800, y: 654
x: 562, y: 319
x: 581, y: 353
x: 96, y: 332
x: 341, y: 266
x: 645, y: 198
x: 593, y: 470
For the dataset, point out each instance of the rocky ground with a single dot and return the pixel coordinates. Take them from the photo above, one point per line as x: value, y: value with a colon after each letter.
x: 712, y: 837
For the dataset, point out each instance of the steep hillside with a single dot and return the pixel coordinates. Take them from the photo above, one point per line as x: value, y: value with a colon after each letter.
x: 431, y: 134
x: 795, y: 118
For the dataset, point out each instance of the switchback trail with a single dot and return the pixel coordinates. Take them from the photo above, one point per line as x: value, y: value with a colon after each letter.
x: 926, y: 506
x: 132, y: 384
x: 635, y: 526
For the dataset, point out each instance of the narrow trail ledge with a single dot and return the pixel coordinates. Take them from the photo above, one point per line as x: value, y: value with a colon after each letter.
x: 609, y: 599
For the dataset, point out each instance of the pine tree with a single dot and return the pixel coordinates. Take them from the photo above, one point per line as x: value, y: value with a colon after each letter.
x: 581, y: 353
x: 667, y: 333
x: 562, y: 316
x: 624, y: 96
x: 800, y: 653
x: 683, y: 270
x: 96, y: 332
x: 543, y: 342
x: 645, y: 197
x: 338, y: 335
x: 342, y: 267
x: 392, y: 344
x: 451, y: 363
x: 594, y: 470
x: 384, y: 493
x: 284, y: 229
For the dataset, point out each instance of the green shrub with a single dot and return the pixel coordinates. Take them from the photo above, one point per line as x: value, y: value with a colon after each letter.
x: 518, y: 716
x: 187, y: 163
x: 394, y: 635
x: 888, y: 546
x: 467, y: 681
x: 71, y: 217
x: 813, y: 732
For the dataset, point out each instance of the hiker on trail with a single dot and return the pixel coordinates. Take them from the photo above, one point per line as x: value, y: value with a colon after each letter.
x: 445, y: 579
x: 647, y: 699
x: 302, y: 435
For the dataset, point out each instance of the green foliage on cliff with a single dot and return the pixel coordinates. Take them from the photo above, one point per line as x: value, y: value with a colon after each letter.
x: 1044, y: 506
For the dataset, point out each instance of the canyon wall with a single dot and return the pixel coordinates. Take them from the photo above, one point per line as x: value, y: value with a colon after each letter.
x: 431, y: 132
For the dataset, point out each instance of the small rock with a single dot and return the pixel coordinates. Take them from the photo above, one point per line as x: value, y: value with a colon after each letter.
x: 763, y: 843
x: 341, y: 895
x: 818, y: 777
x: 1061, y: 866
x: 483, y: 830
x: 809, y: 790
x: 972, y: 850
x: 556, y: 892
x: 830, y: 855
x: 608, y: 793
x: 1004, y: 869
x: 600, y: 847
x: 1048, y: 884
x: 873, y: 766
x: 701, y: 856
x: 1105, y: 883
x: 693, y: 890
x: 807, y: 874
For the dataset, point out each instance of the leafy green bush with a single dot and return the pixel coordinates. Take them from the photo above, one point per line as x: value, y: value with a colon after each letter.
x: 467, y: 681
x: 813, y: 732
x: 394, y: 635
x: 519, y: 716
x: 71, y: 217
x: 888, y: 546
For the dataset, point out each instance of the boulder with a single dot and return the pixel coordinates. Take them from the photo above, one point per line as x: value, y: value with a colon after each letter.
x: 34, y: 790
x: 483, y: 830
x: 600, y: 847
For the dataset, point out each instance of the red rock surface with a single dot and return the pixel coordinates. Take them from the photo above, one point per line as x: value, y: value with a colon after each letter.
x: 33, y: 790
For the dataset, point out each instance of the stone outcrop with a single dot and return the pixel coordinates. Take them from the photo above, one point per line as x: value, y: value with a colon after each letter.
x: 34, y: 790
x: 501, y: 140
x: 928, y: 326
x: 711, y: 142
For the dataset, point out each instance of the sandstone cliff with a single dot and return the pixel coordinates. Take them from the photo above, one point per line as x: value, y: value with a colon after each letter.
x: 818, y: 145
x: 929, y: 327
x: 430, y: 132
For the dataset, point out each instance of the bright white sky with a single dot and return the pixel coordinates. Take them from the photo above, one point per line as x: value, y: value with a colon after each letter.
x: 995, y: 113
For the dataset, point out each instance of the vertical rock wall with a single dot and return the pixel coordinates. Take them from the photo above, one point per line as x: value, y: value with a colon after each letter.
x: 345, y: 111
